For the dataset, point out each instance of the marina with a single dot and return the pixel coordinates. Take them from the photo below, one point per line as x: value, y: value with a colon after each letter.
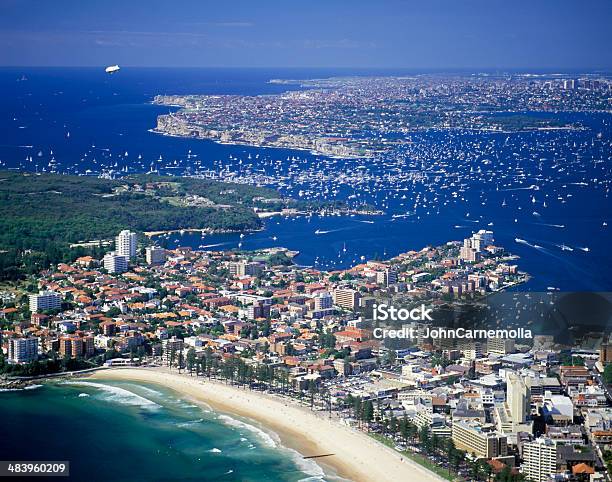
x: 530, y: 183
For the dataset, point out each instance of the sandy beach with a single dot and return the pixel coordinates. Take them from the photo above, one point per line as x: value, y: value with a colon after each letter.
x: 356, y: 456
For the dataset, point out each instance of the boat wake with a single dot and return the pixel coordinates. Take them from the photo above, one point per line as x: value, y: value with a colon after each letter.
x: 560, y: 226
x: 320, y: 231
x: 204, y: 246
x: 527, y: 243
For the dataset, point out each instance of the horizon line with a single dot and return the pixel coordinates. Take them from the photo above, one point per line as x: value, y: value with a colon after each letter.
x: 439, y: 69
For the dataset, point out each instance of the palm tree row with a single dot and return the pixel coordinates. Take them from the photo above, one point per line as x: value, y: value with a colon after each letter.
x: 234, y: 370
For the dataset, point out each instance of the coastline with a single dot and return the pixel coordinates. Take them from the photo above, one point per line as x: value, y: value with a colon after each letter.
x: 204, y: 231
x: 216, y: 140
x: 356, y: 456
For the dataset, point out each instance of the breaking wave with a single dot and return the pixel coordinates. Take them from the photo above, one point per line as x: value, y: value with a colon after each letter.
x: 29, y: 387
x: 118, y: 395
x: 264, y: 436
x: 272, y: 440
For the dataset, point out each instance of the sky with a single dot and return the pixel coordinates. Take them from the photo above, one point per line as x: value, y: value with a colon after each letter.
x: 413, y: 34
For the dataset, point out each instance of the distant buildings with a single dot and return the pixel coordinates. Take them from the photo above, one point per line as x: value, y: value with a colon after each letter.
x: 244, y: 268
x: 322, y: 301
x: 474, y: 245
x: 500, y: 346
x: 386, y: 277
x: 511, y: 416
x: 155, y: 255
x: 115, y: 263
x: 482, y: 239
x: 257, y: 309
x: 572, y: 376
x: 468, y: 252
x: 22, y: 350
x: 605, y: 353
x: 125, y: 244
x: 557, y: 409
x: 599, y: 424
x: 517, y: 398
x: 125, y: 248
x: 569, y: 84
x: 45, y: 300
x: 539, y: 386
x: 347, y: 298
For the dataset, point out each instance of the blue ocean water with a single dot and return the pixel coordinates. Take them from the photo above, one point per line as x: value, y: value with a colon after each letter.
x: 140, y: 432
x: 545, y: 194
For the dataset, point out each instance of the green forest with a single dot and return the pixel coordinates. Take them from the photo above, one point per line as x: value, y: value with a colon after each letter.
x: 42, y: 214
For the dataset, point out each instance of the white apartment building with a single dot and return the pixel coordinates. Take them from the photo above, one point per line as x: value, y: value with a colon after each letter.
x: 125, y: 244
x: 539, y: 460
x: 115, y: 263
x: 22, y: 350
x: 45, y: 300
x: 245, y: 268
x: 323, y: 301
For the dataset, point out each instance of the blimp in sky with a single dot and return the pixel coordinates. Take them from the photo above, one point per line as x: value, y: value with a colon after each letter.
x: 111, y: 69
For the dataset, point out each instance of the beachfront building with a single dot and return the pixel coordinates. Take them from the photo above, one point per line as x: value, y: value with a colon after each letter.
x: 71, y: 347
x: 539, y: 460
x: 115, y: 263
x: 45, y: 300
x: 481, y: 440
x: 76, y: 346
x: 125, y: 244
x: 171, y: 347
x: 435, y: 422
x: 22, y: 350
